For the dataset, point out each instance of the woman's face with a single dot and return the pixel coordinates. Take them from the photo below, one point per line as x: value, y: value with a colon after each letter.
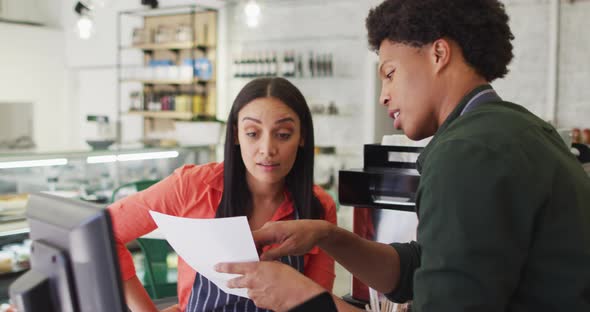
x: 269, y: 134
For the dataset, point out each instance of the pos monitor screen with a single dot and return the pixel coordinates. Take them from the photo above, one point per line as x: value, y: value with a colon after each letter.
x: 74, y: 265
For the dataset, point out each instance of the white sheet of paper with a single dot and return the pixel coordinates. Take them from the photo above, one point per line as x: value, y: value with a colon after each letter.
x: 202, y: 243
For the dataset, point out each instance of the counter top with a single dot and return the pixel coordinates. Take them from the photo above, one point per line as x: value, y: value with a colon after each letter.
x: 21, y: 227
x: 16, y: 204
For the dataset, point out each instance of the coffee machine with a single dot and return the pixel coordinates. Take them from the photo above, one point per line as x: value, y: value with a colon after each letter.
x: 383, y: 195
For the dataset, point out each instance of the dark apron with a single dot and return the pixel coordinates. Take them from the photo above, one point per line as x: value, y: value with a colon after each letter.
x: 205, y: 296
x: 485, y: 96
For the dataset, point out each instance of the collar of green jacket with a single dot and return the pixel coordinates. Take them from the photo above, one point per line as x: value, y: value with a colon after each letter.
x: 450, y: 119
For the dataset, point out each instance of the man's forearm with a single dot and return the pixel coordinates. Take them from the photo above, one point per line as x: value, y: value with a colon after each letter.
x: 375, y: 264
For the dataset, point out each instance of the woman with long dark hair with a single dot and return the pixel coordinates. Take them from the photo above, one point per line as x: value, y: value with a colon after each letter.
x: 266, y: 175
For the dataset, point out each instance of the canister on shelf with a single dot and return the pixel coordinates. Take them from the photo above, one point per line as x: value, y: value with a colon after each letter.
x: 210, y: 104
x: 184, y: 33
x: 141, y: 36
x: 164, y: 34
x: 183, y: 103
x: 136, y: 101
x: 198, y: 108
x: 203, y: 68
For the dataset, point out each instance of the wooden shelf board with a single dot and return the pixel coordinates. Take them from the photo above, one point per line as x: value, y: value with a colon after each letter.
x: 164, y: 114
x: 170, y: 46
x: 168, y: 81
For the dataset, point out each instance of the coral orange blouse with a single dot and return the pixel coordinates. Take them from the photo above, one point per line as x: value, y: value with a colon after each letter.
x: 195, y: 192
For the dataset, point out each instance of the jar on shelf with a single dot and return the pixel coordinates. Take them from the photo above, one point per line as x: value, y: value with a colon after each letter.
x: 198, y: 104
x: 136, y: 101
x: 141, y: 36
x: 203, y: 68
x: 164, y: 34
x: 186, y: 70
x: 184, y: 33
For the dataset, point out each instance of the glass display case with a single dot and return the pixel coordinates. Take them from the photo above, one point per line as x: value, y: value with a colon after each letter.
x: 88, y: 172
x: 90, y: 175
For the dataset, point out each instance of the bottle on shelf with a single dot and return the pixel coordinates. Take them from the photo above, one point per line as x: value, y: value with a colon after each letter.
x: 267, y: 64
x: 312, y: 69
x: 260, y: 65
x: 198, y: 104
x: 285, y: 65
x: 236, y: 68
x: 185, y: 102
x: 320, y: 64
x: 238, y: 62
x: 252, y: 72
x: 299, y: 65
x: 245, y: 71
x: 330, y: 68
x: 253, y: 65
x: 245, y: 65
x: 292, y: 64
x: 274, y: 65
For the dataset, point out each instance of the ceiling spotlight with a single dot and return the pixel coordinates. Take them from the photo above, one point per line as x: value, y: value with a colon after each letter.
x: 94, y: 4
x: 85, y: 27
x: 252, y: 11
x: 81, y: 8
x: 152, y: 3
x: 85, y: 24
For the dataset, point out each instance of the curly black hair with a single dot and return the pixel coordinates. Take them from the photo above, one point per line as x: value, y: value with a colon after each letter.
x: 479, y: 27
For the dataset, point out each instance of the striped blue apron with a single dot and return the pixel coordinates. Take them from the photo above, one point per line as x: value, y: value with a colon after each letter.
x: 205, y: 296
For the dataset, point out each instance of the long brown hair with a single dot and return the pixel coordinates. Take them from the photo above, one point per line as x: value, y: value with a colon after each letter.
x: 237, y: 198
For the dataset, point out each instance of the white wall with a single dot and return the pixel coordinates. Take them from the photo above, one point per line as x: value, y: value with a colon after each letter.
x: 44, y: 12
x: 73, y: 78
x: 32, y: 70
x: 92, y: 64
x: 573, y: 108
x: 526, y: 82
x: 338, y: 26
x: 530, y: 76
x: 335, y: 27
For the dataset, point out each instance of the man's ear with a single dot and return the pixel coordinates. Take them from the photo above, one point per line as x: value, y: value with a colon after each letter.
x: 441, y: 53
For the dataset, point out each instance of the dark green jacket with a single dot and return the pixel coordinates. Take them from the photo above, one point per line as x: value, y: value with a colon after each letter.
x: 504, y: 218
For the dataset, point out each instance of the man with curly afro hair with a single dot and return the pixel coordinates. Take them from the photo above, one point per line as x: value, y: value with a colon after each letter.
x: 503, y: 205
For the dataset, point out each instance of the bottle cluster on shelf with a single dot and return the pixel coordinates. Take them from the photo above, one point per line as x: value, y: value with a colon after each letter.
x: 580, y: 135
x: 198, y: 28
x: 197, y: 104
x: 199, y: 68
x: 163, y: 34
x: 290, y: 64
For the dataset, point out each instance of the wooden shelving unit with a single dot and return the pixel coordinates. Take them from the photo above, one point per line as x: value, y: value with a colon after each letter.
x: 160, y: 41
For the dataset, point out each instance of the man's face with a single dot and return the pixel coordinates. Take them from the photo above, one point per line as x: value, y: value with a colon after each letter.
x: 407, y: 88
x: 269, y: 134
